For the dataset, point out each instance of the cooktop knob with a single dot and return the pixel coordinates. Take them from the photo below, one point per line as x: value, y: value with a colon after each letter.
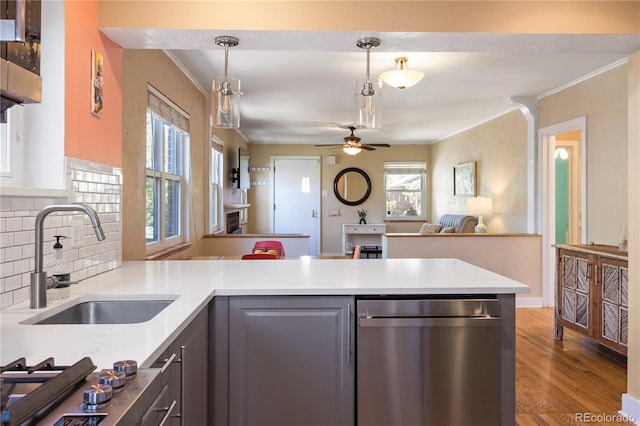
x: 97, y: 397
x: 117, y: 379
x: 129, y: 367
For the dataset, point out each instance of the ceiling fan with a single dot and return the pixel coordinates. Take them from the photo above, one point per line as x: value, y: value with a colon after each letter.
x: 352, y: 144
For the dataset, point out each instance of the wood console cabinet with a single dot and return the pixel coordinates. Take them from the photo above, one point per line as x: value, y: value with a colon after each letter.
x: 592, y: 283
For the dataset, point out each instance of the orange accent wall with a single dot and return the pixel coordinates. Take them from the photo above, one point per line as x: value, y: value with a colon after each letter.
x: 88, y: 136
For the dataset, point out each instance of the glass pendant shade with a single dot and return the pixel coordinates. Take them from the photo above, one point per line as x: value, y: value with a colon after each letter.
x: 366, y: 105
x: 352, y: 150
x: 226, y: 103
x: 366, y: 97
x: 401, y: 77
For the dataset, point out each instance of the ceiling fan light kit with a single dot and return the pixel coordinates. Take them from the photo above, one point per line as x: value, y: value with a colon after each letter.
x: 351, y: 150
x: 366, y: 103
x: 401, y: 77
x: 226, y: 91
x: 353, y: 146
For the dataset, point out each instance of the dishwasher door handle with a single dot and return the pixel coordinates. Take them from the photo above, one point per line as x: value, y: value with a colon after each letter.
x: 430, y: 322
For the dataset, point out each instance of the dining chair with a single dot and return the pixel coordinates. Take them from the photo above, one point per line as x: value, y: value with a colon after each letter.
x: 266, y: 245
x: 356, y: 252
x: 257, y: 256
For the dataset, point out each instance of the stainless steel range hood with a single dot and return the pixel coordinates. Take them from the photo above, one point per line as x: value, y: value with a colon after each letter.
x: 19, y: 85
x: 20, y: 80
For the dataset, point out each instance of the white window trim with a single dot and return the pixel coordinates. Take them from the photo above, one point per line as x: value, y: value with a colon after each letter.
x: 216, y: 226
x: 407, y: 167
x: 170, y: 112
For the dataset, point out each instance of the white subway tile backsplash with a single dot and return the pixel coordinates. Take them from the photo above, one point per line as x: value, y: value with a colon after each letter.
x: 21, y: 203
x: 21, y: 266
x: 12, y: 283
x: 13, y: 253
x: 13, y: 224
x: 6, y: 270
x: 22, y: 238
x: 99, y: 186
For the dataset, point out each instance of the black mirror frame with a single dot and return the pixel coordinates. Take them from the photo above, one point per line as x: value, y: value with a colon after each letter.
x: 344, y: 172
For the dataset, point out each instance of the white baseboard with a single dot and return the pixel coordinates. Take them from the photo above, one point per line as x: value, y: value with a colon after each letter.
x: 630, y: 408
x: 528, y: 302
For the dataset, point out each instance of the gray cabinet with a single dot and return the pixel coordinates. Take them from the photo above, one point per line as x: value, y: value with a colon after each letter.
x: 185, y: 366
x: 290, y: 361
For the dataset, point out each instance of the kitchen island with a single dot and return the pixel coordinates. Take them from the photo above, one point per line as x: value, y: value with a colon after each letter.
x: 193, y: 285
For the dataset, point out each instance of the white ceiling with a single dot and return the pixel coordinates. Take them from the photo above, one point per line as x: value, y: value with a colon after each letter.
x: 297, y: 86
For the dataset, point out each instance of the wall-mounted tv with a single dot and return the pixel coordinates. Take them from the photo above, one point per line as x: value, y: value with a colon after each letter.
x: 241, y: 174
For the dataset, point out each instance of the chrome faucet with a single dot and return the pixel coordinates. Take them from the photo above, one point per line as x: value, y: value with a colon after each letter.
x: 38, y: 276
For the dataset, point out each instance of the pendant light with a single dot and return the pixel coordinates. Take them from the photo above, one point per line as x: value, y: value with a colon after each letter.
x: 401, y: 77
x: 366, y: 102
x: 226, y: 96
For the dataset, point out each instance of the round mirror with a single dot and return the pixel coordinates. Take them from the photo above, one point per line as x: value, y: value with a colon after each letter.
x: 352, y: 186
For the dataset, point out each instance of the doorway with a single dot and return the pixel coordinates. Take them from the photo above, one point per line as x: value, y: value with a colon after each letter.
x: 563, y: 198
x: 295, y: 196
x: 567, y: 187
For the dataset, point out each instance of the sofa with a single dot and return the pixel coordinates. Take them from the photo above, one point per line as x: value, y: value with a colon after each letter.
x: 451, y: 223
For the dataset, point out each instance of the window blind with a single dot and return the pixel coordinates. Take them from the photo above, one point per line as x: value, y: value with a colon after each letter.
x: 163, y: 107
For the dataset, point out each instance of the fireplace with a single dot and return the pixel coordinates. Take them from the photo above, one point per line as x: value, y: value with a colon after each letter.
x: 233, y: 223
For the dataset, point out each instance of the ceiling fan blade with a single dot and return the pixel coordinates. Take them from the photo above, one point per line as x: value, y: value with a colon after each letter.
x: 367, y: 147
x: 331, y: 144
x: 380, y: 145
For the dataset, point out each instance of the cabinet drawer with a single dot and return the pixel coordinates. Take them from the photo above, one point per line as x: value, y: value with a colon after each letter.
x: 364, y: 229
x: 160, y: 410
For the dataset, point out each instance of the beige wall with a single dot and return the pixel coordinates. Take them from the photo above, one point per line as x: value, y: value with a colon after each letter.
x: 603, y: 100
x: 499, y: 148
x: 139, y: 68
x: 514, y: 17
x: 371, y: 162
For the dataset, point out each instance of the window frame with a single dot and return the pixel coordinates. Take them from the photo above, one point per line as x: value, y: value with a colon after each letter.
x: 406, y: 167
x: 215, y: 205
x: 168, y: 137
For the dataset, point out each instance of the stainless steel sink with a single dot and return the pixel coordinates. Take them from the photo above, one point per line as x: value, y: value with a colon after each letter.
x: 106, y: 312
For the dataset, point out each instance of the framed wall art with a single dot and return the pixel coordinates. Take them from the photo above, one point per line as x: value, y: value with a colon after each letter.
x: 464, y: 179
x: 97, y: 70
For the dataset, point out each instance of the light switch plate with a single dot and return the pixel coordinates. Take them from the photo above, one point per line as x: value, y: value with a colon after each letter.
x: 334, y: 212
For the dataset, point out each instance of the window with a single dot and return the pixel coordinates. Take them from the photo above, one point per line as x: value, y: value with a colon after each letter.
x: 11, y: 146
x: 167, y: 148
x: 404, y: 187
x: 216, y: 208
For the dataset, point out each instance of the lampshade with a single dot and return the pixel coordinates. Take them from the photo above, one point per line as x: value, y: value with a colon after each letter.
x: 226, y: 91
x: 401, y: 77
x: 351, y: 150
x: 479, y: 205
x: 366, y: 101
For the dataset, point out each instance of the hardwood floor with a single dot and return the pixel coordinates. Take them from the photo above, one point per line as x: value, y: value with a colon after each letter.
x: 557, y: 382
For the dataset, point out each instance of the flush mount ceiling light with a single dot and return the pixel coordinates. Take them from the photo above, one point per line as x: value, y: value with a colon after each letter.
x: 226, y: 91
x: 366, y: 102
x: 401, y: 77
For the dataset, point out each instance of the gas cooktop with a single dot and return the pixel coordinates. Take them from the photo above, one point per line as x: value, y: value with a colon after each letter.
x: 47, y: 394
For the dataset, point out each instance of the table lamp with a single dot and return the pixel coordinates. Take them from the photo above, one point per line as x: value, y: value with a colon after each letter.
x: 479, y: 206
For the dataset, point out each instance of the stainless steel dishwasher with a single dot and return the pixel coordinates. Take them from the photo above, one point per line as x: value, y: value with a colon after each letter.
x: 428, y: 362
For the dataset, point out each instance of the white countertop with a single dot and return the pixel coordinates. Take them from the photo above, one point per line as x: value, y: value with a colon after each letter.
x: 196, y: 282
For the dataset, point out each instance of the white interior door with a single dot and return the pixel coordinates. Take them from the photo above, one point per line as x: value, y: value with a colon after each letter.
x: 296, y: 197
